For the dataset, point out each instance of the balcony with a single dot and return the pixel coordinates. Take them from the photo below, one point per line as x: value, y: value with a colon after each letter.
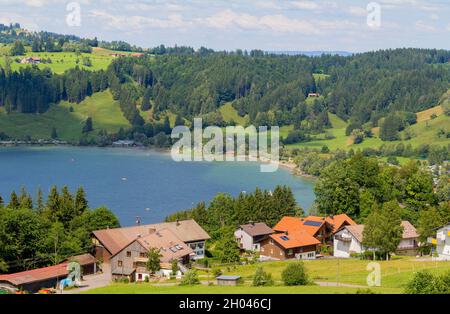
x: 342, y: 238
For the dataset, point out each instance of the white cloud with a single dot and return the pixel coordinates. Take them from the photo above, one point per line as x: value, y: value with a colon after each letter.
x: 421, y: 25
x: 305, y: 5
x: 276, y: 22
x: 137, y: 22
x: 357, y: 11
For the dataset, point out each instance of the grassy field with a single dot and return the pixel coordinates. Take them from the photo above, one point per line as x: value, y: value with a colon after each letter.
x: 205, y: 289
x: 62, y: 61
x: 394, y: 276
x: 424, y: 132
x: 230, y: 114
x: 101, y: 107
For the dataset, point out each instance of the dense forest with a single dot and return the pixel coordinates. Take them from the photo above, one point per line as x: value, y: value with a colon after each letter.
x: 382, y: 89
x: 39, y: 232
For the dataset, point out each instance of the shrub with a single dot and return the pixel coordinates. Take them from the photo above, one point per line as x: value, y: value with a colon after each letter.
x: 364, y: 291
x: 190, y: 278
x: 295, y: 275
x: 262, y: 278
x: 424, y: 282
x: 217, y: 272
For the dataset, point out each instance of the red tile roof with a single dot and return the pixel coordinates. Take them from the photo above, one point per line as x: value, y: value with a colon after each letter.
x: 114, y: 240
x: 45, y: 273
x: 312, y: 224
x: 36, y: 275
x: 338, y: 221
x: 294, y: 239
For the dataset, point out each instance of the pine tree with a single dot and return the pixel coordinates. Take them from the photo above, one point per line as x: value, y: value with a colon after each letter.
x: 40, y: 201
x: 167, y: 129
x: 88, y: 127
x: 52, y: 204
x: 81, y: 203
x: 13, y: 201
x: 66, y: 210
x: 25, y: 199
x: 54, y: 134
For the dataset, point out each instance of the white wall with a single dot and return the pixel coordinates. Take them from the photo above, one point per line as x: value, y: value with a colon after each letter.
x: 246, y: 241
x: 198, y: 248
x: 343, y: 248
x: 443, y: 243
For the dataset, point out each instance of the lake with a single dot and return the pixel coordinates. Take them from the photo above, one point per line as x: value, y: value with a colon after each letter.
x: 135, y: 182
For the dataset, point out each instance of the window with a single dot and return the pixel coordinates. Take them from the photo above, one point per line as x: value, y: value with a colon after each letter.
x: 119, y: 263
x: 142, y: 254
x: 128, y: 253
x: 290, y: 252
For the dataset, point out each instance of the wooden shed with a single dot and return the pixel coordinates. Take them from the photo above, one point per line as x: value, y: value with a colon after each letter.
x: 228, y: 280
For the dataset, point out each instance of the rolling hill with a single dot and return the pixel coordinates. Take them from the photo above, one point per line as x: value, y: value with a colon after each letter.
x: 104, y: 111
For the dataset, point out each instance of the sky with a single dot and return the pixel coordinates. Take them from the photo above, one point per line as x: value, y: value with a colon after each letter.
x: 270, y: 25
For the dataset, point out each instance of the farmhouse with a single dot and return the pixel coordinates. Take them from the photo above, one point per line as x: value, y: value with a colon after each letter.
x: 289, y: 245
x: 31, y: 60
x: 109, y: 242
x: 349, y: 240
x: 131, y: 260
x: 313, y: 95
x: 442, y: 242
x: 249, y: 236
x: 322, y: 228
x: 47, y: 277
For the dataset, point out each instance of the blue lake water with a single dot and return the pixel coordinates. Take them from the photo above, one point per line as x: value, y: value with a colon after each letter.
x: 134, y: 182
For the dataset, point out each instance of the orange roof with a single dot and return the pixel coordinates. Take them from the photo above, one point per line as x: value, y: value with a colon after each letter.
x: 294, y: 239
x: 310, y: 224
x: 338, y: 221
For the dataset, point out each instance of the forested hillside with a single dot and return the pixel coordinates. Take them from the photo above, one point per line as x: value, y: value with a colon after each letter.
x: 377, y: 95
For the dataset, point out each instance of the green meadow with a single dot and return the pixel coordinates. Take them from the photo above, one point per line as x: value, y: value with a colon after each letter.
x: 62, y: 61
x: 104, y: 111
x: 341, y: 276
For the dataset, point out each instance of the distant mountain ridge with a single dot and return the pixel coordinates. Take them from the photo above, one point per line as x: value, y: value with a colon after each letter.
x: 317, y: 53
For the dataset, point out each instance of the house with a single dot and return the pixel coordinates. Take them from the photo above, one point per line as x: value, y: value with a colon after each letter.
x: 250, y: 235
x: 314, y: 95
x: 297, y: 244
x: 442, y: 242
x: 31, y: 60
x: 409, y: 243
x: 109, y: 242
x: 349, y: 240
x: 116, y: 55
x: 46, y: 277
x: 137, y: 55
x: 322, y: 228
x: 123, y: 143
x: 228, y: 280
x: 131, y: 260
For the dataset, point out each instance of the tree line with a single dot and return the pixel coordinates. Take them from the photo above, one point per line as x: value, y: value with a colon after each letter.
x: 46, y: 231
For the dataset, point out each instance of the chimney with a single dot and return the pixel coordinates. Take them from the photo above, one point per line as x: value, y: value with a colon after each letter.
x: 332, y: 217
x: 287, y: 232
